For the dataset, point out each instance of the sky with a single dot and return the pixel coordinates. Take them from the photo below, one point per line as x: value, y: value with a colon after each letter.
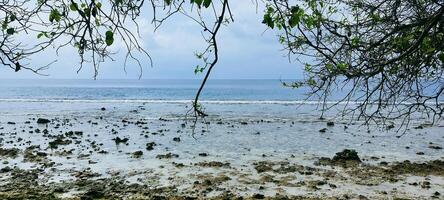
x: 247, y: 51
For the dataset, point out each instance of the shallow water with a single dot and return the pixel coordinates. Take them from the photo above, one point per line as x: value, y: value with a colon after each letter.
x: 240, y: 131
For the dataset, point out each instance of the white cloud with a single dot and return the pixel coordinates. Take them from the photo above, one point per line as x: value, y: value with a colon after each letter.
x: 246, y: 51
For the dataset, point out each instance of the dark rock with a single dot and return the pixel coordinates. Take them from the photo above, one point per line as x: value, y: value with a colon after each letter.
x: 42, y: 154
x: 262, y: 167
x: 330, y: 124
x: 419, y: 127
x: 141, y: 123
x: 258, y: 196
x: 176, y: 139
x: 137, y: 154
x: 167, y: 156
x: 347, y: 155
x: 306, y: 173
x: 323, y: 130
x: 92, y: 162
x: 92, y: 194
x: 425, y: 185
x: 11, y: 123
x: 213, y: 164
x: 13, y: 152
x: 345, y: 158
x: 383, y: 163
x: 178, y: 165
x: 164, y: 120
x: 5, y: 169
x: 434, y: 167
x: 43, y: 121
x: 103, y: 109
x: 102, y: 152
x: 435, y: 147
x: 59, y: 141
x: 119, y: 140
x: 374, y: 158
x: 203, y: 154
x: 389, y: 127
x: 150, y: 146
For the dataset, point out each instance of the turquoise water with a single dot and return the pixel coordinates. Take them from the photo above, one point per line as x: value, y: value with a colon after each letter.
x: 162, y: 90
x: 249, y: 90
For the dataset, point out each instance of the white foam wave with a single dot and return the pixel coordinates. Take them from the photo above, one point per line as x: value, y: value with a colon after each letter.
x: 160, y: 101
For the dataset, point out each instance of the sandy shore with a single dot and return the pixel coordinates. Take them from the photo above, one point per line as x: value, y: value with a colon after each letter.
x: 146, y: 151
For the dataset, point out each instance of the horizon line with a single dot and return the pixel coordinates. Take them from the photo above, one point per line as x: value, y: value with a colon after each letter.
x: 136, y: 79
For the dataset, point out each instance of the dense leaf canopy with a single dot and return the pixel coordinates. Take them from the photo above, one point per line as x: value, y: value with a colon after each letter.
x: 386, y: 55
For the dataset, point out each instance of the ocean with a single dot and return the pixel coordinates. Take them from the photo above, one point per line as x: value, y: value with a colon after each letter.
x: 149, y: 90
x: 141, y: 132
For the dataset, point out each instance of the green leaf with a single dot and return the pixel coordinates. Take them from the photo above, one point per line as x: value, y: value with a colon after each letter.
x: 342, y: 66
x: 55, y: 15
x: 296, y: 15
x: 207, y: 3
x: 309, y: 21
x: 94, y: 12
x: 168, y: 2
x: 87, y: 11
x: 109, y: 38
x: 268, y: 20
x: 40, y: 35
x: 329, y: 67
x: 198, y: 2
x: 198, y: 69
x: 97, y: 22
x: 355, y: 41
x: 4, y: 25
x: 307, y: 67
x: 12, y: 18
x: 294, y: 20
x: 311, y: 82
x: 119, y: 2
x: 441, y: 57
x: 73, y: 7
x: 10, y: 31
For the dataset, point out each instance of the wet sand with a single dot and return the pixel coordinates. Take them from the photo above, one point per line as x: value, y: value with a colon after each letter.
x: 83, y: 150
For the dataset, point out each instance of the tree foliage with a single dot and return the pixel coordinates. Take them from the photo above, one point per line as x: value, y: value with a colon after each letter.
x: 387, y: 55
x: 31, y: 27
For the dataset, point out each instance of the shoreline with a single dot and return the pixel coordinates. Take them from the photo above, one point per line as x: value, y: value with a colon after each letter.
x: 144, y: 151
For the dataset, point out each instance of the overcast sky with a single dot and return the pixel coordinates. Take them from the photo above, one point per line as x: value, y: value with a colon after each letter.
x: 247, y: 51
